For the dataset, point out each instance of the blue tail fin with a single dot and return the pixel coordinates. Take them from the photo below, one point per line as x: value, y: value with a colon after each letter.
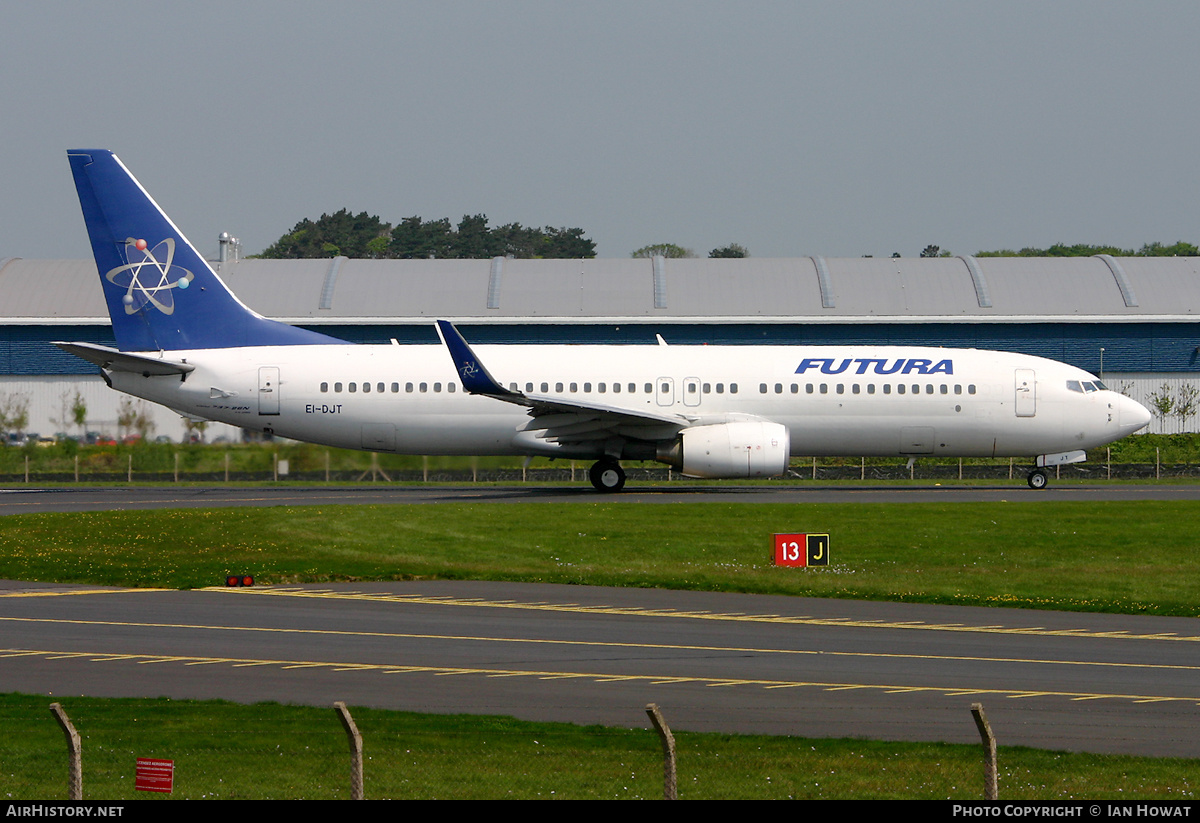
x: 161, y: 294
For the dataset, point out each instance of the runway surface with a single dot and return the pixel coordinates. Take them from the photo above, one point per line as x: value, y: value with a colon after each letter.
x: 715, y: 662
x: 22, y: 501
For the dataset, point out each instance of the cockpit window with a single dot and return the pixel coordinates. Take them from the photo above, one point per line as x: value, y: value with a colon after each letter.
x: 1101, y: 386
x: 1074, y: 385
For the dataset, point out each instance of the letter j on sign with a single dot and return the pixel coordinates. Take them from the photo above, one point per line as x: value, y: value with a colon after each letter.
x: 801, y: 550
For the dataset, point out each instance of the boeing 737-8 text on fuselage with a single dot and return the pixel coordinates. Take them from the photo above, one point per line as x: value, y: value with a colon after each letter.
x: 185, y: 341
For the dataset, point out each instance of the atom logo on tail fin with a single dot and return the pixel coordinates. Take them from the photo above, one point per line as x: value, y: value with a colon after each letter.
x: 140, y: 288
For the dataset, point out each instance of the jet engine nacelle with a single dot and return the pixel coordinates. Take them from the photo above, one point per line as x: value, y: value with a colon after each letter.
x: 745, y: 448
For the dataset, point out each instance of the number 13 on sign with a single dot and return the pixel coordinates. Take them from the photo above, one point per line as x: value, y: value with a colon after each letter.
x: 801, y: 550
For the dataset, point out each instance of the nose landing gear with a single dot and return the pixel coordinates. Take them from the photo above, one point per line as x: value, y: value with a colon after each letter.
x: 607, y: 475
x: 1038, y: 479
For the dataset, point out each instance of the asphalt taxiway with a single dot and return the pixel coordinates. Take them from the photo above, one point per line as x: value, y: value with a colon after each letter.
x: 85, y: 498
x: 715, y: 662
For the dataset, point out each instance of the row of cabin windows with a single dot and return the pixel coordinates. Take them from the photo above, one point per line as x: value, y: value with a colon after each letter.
x: 602, y: 388
x: 380, y: 388
x: 628, y: 388
x: 855, y: 388
x: 690, y: 387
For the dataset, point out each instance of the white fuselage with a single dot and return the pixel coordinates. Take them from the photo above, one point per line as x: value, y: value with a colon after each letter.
x: 833, y: 400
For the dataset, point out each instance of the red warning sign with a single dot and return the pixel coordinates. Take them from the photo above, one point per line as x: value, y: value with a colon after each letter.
x: 154, y: 775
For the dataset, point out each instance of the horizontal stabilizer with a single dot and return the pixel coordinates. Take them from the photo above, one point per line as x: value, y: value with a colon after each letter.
x: 113, y: 360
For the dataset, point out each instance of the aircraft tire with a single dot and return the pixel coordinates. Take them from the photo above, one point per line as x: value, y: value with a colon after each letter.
x: 607, y: 476
x: 1038, y: 479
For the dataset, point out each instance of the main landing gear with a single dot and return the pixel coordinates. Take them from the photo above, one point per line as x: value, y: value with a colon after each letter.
x: 1038, y: 479
x: 607, y: 475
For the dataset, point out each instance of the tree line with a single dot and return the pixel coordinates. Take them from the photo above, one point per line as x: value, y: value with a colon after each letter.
x: 673, y: 250
x: 362, y: 235
x: 1178, y: 249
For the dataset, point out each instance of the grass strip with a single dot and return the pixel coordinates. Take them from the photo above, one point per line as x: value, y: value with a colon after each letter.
x: 269, y: 751
x: 1103, y: 557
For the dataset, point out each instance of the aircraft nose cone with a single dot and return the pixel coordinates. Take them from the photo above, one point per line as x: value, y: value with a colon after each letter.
x: 1132, y: 415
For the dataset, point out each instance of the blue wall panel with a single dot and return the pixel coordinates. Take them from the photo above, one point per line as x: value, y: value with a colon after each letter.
x: 1165, y: 347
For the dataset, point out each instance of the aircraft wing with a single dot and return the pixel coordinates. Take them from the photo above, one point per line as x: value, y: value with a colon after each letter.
x: 113, y: 360
x: 562, y: 420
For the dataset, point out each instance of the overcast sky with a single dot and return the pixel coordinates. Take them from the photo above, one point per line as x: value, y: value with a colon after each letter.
x: 794, y: 128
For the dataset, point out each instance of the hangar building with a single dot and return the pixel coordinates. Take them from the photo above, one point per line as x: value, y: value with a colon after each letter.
x: 1135, y: 321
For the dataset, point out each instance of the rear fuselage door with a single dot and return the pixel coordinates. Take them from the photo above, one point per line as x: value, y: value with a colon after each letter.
x: 268, y: 390
x: 1026, y: 392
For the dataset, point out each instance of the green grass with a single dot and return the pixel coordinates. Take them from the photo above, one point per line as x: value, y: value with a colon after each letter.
x: 1110, y: 557
x: 229, y: 751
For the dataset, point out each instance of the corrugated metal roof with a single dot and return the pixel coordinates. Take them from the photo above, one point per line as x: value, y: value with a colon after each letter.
x: 627, y: 290
x: 50, y: 290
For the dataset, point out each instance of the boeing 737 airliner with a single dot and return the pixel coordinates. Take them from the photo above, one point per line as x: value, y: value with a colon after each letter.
x: 185, y: 341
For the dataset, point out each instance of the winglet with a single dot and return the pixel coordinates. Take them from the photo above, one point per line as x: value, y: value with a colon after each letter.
x: 475, y: 377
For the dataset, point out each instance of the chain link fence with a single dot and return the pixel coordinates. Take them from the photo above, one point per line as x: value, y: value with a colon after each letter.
x: 800, y: 471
